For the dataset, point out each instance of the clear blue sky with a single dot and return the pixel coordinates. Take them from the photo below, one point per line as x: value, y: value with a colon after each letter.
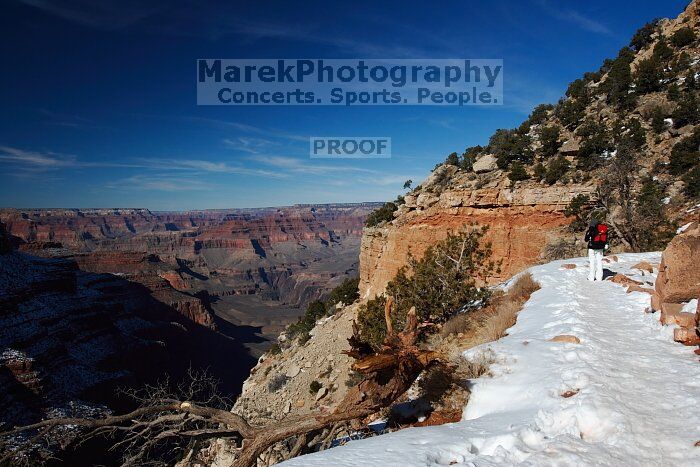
x: 98, y: 99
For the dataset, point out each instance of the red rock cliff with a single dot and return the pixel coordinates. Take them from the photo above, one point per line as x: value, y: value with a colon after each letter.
x: 521, y: 222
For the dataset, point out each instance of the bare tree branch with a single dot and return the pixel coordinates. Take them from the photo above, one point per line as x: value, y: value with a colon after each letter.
x: 388, y: 374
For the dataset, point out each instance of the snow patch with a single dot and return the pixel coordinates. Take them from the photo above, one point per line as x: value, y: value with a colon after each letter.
x: 613, y: 399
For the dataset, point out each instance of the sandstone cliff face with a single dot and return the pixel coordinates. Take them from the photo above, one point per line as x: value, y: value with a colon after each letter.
x: 522, y: 220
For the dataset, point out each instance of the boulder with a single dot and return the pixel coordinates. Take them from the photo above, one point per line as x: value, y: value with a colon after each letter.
x: 425, y: 200
x: 452, y: 200
x: 624, y: 280
x: 293, y: 371
x: 567, y: 338
x: 409, y: 201
x: 637, y: 288
x: 684, y: 320
x: 486, y: 163
x: 678, y: 280
x: 644, y: 266
x: 686, y: 336
x: 667, y: 307
x: 568, y: 266
x: 570, y: 148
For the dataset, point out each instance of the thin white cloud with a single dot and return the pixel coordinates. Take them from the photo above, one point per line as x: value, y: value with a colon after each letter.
x: 204, y: 166
x: 105, y: 15
x: 250, y: 129
x: 311, y: 167
x: 160, y: 183
x: 388, y: 180
x: 249, y: 145
x: 46, y: 160
x: 574, y: 17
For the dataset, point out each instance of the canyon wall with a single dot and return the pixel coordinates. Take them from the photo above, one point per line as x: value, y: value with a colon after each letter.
x: 292, y: 255
x: 70, y: 338
x: 522, y: 220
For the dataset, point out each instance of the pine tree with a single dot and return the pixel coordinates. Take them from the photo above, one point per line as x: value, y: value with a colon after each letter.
x: 657, y: 120
x: 662, y: 51
x: 684, y: 36
x: 643, y: 37
x: 517, y: 172
x: 556, y: 170
x: 648, y: 75
x: 452, y: 159
x: 620, y: 79
x: 687, y: 111
x: 549, y: 138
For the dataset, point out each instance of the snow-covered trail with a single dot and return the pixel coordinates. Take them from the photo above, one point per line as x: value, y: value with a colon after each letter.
x: 637, y: 400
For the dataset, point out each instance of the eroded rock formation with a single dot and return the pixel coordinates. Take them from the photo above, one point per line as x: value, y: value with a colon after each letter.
x: 69, y: 338
x: 292, y: 255
x: 521, y: 223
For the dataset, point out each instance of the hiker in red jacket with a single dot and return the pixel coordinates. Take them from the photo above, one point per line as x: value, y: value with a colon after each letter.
x: 597, y: 238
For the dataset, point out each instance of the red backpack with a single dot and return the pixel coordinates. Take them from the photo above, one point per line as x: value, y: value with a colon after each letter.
x: 601, y: 235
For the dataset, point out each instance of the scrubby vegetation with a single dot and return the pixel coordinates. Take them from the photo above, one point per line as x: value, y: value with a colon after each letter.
x: 578, y: 208
x: 276, y: 382
x: 314, y: 387
x: 346, y: 293
x: 685, y: 156
x: 682, y: 37
x: 383, y: 214
x: 560, y: 248
x: 556, y: 170
x: 447, y: 280
x: 306, y: 323
x: 491, y: 322
x: 549, y: 139
x: 517, y: 172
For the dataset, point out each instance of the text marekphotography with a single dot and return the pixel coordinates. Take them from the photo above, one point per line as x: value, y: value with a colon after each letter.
x: 350, y: 82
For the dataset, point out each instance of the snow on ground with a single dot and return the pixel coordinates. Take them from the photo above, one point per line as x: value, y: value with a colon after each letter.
x: 638, y: 400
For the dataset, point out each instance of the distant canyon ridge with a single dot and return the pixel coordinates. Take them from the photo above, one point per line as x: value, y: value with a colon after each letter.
x: 253, y: 268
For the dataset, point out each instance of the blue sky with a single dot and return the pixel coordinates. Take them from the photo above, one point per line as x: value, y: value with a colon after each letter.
x: 98, y: 99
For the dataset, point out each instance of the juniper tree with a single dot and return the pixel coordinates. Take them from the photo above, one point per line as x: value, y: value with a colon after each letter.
x: 447, y: 279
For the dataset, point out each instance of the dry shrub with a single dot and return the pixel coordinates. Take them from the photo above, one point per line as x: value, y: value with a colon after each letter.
x: 524, y: 286
x: 505, y: 317
x: 560, y: 248
x: 489, y: 323
x: 477, y: 366
x: 460, y: 323
x: 446, y: 386
x: 506, y: 310
x: 437, y: 381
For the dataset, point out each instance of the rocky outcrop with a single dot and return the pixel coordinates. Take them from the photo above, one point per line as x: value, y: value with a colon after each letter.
x: 521, y: 223
x: 280, y: 385
x: 486, y: 163
x: 70, y: 336
x: 678, y: 284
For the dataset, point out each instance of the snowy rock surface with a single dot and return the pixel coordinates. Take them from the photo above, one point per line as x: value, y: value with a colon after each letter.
x: 635, y: 392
